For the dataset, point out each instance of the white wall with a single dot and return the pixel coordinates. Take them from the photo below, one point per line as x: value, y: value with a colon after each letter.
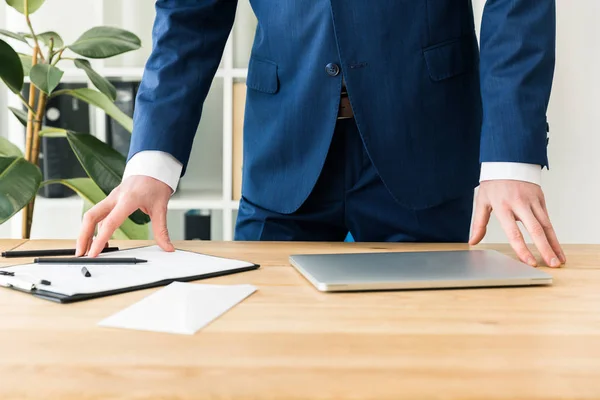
x: 572, y: 185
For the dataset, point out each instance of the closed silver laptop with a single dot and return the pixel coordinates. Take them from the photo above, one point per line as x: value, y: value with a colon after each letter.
x: 416, y: 270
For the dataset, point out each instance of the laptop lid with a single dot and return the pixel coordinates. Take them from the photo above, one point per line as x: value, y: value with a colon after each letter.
x: 416, y: 270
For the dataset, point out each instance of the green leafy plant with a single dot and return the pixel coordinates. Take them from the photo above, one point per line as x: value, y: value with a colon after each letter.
x: 20, y: 177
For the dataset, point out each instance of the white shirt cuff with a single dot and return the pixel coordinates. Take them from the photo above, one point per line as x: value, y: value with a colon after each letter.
x: 155, y: 164
x: 511, y: 171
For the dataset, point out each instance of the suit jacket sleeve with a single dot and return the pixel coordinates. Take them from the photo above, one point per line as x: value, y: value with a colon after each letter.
x: 188, y: 39
x: 517, y: 67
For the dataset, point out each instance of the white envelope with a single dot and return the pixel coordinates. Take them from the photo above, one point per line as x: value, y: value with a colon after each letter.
x: 181, y: 308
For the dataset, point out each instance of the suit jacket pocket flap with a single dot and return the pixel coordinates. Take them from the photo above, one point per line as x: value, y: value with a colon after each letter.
x: 262, y: 76
x: 449, y: 59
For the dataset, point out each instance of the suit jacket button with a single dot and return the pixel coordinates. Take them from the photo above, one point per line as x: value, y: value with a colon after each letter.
x: 332, y: 69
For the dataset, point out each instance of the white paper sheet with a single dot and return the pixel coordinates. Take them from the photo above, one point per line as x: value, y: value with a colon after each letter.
x: 180, y: 308
x: 67, y: 279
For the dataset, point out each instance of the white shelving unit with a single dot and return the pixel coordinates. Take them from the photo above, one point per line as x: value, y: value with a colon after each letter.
x: 208, y: 181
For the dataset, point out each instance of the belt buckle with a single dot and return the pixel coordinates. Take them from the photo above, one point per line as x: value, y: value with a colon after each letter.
x: 345, y: 108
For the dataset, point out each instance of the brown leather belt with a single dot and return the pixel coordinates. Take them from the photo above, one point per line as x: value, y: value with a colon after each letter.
x: 345, y: 109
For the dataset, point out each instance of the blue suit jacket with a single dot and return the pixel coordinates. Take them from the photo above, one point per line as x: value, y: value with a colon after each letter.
x: 429, y: 104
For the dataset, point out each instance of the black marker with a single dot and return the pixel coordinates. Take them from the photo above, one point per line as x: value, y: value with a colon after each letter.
x: 79, y: 260
x: 85, y: 272
x: 49, y: 252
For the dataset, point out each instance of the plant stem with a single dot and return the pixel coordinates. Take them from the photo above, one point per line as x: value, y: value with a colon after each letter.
x: 32, y: 113
x: 50, y: 49
x: 59, y: 92
x: 58, y: 56
x: 35, y: 150
x: 26, y: 224
x: 33, y: 35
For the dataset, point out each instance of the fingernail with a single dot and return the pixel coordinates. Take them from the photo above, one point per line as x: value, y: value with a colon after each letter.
x: 554, y: 262
x: 531, y: 261
x: 562, y: 258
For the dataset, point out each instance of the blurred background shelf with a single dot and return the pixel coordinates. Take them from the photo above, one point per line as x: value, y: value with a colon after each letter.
x: 67, y: 203
x: 197, y: 199
x: 181, y: 200
x: 210, y: 186
x: 77, y: 75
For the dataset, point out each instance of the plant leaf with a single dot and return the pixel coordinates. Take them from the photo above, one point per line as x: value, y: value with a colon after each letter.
x: 20, y: 114
x: 27, y: 62
x: 100, y: 100
x: 7, y: 149
x: 103, y: 164
x: 99, y: 81
x: 92, y: 195
x: 22, y: 117
x: 19, y: 183
x: 11, y: 70
x: 45, y: 77
x: 13, y: 35
x: 45, y: 38
x: 53, y: 132
x: 104, y: 42
x: 19, y: 5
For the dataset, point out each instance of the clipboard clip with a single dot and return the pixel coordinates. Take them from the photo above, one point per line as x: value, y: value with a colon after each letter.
x: 19, y: 284
x: 22, y: 284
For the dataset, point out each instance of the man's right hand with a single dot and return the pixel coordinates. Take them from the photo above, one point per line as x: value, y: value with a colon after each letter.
x: 136, y: 192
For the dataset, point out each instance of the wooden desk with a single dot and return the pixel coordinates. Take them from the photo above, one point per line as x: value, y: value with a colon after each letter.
x: 289, y: 341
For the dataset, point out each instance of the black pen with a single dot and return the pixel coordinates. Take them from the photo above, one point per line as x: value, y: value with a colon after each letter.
x: 85, y: 272
x: 49, y: 252
x: 79, y: 260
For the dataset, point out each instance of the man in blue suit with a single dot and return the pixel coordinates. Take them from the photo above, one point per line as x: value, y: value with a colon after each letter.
x: 377, y: 118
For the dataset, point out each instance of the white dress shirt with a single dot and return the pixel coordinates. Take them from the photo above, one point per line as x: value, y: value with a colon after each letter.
x: 164, y: 167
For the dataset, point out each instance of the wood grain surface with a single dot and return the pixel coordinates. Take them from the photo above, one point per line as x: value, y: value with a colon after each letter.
x: 289, y: 341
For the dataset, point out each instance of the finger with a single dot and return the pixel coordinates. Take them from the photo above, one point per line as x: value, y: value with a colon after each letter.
x: 159, y: 227
x: 110, y: 224
x: 480, y: 222
x: 92, y: 217
x: 515, y: 237
x: 544, y: 210
x: 91, y: 239
x: 88, y: 245
x: 98, y: 227
x: 538, y: 235
x: 542, y: 216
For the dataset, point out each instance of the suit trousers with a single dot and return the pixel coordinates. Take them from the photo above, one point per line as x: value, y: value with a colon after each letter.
x: 350, y: 197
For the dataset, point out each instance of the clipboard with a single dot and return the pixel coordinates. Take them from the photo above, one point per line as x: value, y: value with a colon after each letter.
x: 205, y: 271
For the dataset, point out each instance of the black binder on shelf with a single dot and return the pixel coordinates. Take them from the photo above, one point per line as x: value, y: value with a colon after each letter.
x: 241, y: 266
x: 116, y: 136
x: 197, y: 225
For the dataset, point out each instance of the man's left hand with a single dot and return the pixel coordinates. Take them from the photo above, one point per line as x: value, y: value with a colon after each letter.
x: 514, y: 201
